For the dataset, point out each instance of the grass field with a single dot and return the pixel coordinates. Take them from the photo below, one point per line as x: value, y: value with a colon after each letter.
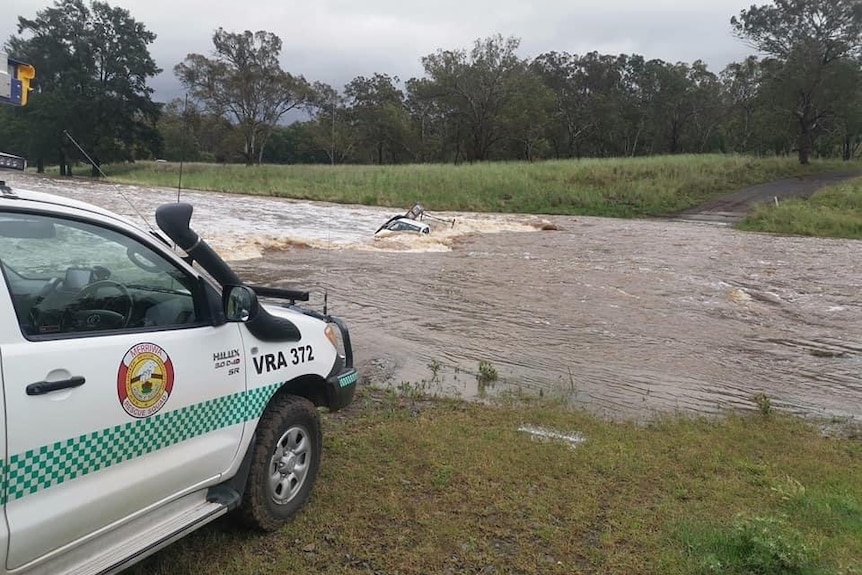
x: 832, y: 212
x: 412, y: 486
x: 629, y: 187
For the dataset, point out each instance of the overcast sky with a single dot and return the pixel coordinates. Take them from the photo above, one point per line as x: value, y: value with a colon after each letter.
x: 336, y: 40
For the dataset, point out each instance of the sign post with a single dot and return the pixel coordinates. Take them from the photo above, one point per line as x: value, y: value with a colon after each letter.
x: 15, y: 80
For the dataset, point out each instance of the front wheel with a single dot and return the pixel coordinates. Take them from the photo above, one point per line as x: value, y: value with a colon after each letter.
x: 285, y: 461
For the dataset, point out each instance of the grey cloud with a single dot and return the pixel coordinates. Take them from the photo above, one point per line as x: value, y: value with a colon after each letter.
x: 336, y: 40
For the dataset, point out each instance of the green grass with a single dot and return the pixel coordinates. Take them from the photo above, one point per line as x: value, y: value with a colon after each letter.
x: 630, y: 187
x: 416, y: 486
x: 835, y: 212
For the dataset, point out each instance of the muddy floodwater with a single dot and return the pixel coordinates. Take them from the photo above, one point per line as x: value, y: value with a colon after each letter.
x: 624, y: 318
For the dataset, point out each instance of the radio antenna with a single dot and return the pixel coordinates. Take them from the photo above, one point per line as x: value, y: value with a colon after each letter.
x: 95, y: 165
x: 183, y: 145
x: 329, y: 215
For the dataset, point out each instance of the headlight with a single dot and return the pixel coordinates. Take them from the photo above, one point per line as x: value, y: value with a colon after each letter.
x: 333, y: 334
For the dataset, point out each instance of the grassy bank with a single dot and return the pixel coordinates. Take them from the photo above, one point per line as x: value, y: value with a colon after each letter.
x: 835, y: 211
x: 422, y: 487
x: 614, y: 187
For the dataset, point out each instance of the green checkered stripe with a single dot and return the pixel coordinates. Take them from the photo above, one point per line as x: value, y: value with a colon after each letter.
x: 50, y: 465
x: 348, y: 379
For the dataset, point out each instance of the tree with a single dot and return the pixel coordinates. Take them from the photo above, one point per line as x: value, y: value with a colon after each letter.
x: 245, y: 83
x: 709, y: 111
x: 93, y: 65
x: 475, y: 87
x: 178, y: 126
x: 623, y: 105
x: 528, y: 115
x: 682, y: 104
x: 741, y: 93
x: 808, y: 40
x: 434, y: 134
x: 329, y: 132
x: 378, y: 116
x: 563, y: 74
x: 601, y: 79
x: 294, y: 144
x: 670, y: 104
x: 633, y: 102
x: 846, y: 125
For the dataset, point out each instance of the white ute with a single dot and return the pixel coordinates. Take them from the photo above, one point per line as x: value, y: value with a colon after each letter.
x: 143, y: 398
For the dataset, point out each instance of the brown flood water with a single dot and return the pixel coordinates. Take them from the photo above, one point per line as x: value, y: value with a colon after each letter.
x: 623, y: 318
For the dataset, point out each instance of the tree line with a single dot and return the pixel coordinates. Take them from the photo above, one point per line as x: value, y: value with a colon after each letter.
x: 801, y: 95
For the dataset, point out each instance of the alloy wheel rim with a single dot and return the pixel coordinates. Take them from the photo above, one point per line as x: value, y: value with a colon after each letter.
x: 289, y: 465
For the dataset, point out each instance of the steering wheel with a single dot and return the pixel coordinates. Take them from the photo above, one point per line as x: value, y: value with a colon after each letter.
x: 78, y: 317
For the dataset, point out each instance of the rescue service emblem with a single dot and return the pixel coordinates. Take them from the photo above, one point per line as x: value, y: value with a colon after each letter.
x: 145, y: 380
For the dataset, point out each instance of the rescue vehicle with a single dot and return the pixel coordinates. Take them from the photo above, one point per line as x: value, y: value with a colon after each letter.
x: 146, y: 389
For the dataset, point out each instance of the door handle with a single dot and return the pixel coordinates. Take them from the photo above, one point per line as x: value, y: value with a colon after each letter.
x: 43, y: 387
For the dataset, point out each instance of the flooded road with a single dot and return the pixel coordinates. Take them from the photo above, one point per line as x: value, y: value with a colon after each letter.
x: 623, y: 318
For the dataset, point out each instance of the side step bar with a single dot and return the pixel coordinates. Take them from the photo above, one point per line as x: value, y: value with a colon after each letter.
x: 134, y: 542
x: 125, y: 556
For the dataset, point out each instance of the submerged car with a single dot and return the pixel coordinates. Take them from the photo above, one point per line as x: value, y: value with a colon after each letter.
x: 411, y: 221
x: 146, y: 389
x: 404, y: 224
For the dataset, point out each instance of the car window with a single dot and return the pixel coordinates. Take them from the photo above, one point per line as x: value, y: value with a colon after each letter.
x: 67, y: 276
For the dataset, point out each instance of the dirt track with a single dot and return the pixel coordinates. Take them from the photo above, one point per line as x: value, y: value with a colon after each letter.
x: 732, y: 208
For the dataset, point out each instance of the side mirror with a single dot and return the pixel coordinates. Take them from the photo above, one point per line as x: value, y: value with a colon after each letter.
x: 240, y: 303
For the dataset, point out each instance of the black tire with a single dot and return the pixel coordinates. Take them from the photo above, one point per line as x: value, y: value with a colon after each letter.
x: 284, y: 463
